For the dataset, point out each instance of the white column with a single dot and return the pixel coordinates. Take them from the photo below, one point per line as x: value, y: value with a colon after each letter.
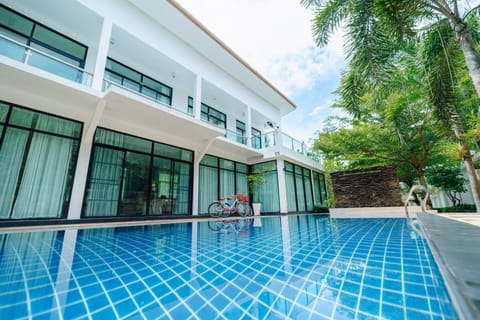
x: 197, y: 102
x: 102, y: 54
x: 282, y: 186
x: 80, y: 178
x: 196, y: 182
x: 249, y: 126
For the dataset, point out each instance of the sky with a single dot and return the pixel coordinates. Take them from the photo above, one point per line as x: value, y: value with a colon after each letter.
x: 275, y: 38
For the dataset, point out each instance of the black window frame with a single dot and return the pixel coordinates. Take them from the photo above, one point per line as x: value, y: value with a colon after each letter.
x: 207, y: 113
x: 256, y: 138
x: 141, y: 84
x: 31, y: 39
x: 241, y: 130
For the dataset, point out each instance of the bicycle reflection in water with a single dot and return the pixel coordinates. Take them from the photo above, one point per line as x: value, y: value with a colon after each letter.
x: 235, y: 225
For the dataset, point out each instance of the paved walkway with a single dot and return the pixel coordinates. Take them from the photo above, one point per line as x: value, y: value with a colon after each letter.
x: 455, y: 243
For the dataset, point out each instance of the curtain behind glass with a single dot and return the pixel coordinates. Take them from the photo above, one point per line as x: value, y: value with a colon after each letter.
x: 181, y: 188
x: 267, y: 194
x: 227, y: 183
x: 11, y: 154
x: 291, y: 199
x: 242, y: 184
x: 316, y: 188
x: 104, y: 183
x: 208, y: 187
x: 300, y: 193
x: 43, y: 187
x: 308, y: 192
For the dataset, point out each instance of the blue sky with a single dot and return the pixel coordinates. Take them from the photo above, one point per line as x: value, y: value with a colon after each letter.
x: 274, y: 37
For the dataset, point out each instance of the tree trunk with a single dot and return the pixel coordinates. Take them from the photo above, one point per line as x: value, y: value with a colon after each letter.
x: 472, y: 59
x: 472, y: 178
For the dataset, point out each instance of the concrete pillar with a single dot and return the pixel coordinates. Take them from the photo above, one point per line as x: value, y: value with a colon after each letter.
x: 248, y: 126
x: 197, y: 102
x: 102, y: 54
x: 81, y: 172
x: 282, y: 186
x: 196, y: 182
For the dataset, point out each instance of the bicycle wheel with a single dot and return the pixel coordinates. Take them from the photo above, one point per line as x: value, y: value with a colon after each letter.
x: 242, y: 209
x: 215, y: 225
x: 249, y: 210
x: 215, y: 209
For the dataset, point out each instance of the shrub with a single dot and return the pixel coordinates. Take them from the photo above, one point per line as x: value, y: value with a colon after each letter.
x: 320, y: 209
x: 460, y: 208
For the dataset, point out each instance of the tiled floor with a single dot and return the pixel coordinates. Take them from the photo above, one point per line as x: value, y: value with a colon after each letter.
x: 457, y: 244
x: 290, y: 267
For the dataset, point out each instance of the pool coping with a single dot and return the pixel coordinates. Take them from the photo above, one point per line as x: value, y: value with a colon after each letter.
x: 455, y: 257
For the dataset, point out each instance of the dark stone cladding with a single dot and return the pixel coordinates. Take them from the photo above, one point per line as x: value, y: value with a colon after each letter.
x: 368, y: 187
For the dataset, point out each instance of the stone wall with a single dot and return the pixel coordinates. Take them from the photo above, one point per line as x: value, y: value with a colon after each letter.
x: 369, y: 187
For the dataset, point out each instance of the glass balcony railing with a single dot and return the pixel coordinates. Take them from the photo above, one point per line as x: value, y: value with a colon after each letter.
x: 40, y: 59
x: 233, y: 136
x: 293, y: 144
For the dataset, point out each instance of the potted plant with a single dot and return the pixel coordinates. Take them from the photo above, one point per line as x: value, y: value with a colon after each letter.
x: 255, y: 181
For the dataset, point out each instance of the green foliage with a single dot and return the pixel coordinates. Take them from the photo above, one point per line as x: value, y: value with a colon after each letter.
x: 459, y: 208
x: 448, y: 179
x: 320, y: 209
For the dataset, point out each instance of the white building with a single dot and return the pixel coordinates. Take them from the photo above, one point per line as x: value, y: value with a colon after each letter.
x: 132, y: 108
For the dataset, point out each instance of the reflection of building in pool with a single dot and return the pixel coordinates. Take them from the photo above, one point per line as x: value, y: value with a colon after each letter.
x: 134, y: 109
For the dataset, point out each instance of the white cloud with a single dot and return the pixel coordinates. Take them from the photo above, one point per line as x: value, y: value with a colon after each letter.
x: 275, y: 38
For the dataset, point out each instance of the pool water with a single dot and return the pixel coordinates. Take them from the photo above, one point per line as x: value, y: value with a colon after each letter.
x: 290, y: 267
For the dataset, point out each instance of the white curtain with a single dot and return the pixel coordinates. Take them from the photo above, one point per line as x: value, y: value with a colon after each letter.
x: 208, y: 187
x: 43, y: 187
x: 11, y: 154
x: 300, y: 193
x: 104, y: 183
x: 291, y: 202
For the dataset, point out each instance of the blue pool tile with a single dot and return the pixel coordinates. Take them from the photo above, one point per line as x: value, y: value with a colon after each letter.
x: 180, y: 312
x: 392, y: 312
x: 392, y: 297
x: 415, y: 314
x: 324, y: 307
x: 418, y: 303
x: 107, y: 313
x: 370, y: 307
x: 125, y: 307
x: 348, y: 300
x: 392, y: 285
x: 415, y: 289
x: 75, y: 310
x: 351, y: 287
x: 16, y: 311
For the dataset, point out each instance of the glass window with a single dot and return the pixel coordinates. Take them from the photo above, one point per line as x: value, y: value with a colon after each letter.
x: 256, y: 138
x: 10, y: 49
x: 227, y: 164
x: 122, y: 140
x: 190, y: 105
x: 3, y: 111
x: 267, y: 194
x: 209, y: 161
x: 173, y: 152
x: 36, y: 168
x: 213, y: 116
x: 220, y: 178
x: 137, y: 81
x: 15, y: 22
x: 59, y: 42
x: 135, y: 180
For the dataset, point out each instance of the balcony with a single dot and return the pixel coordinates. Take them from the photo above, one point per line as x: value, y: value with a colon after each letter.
x: 43, y: 60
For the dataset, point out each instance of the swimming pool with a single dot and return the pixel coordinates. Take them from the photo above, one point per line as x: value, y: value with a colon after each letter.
x: 277, y: 267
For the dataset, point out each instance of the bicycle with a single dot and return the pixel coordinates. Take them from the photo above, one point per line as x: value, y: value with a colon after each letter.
x: 223, y: 207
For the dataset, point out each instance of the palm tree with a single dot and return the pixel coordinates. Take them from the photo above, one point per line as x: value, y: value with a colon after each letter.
x: 377, y: 30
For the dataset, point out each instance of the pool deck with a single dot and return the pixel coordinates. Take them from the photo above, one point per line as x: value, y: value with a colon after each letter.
x: 455, y: 242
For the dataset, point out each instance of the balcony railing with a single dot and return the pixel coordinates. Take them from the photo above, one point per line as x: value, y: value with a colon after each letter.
x: 37, y: 58
x: 233, y: 136
x: 108, y: 83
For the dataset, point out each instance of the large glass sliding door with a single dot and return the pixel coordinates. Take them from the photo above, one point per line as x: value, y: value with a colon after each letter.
x: 37, y: 162
x: 267, y: 194
x: 220, y: 178
x: 299, y: 188
x: 319, y: 188
x: 130, y: 176
x: 135, y: 182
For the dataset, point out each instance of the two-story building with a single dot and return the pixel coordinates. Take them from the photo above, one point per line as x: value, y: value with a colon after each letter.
x: 132, y: 108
